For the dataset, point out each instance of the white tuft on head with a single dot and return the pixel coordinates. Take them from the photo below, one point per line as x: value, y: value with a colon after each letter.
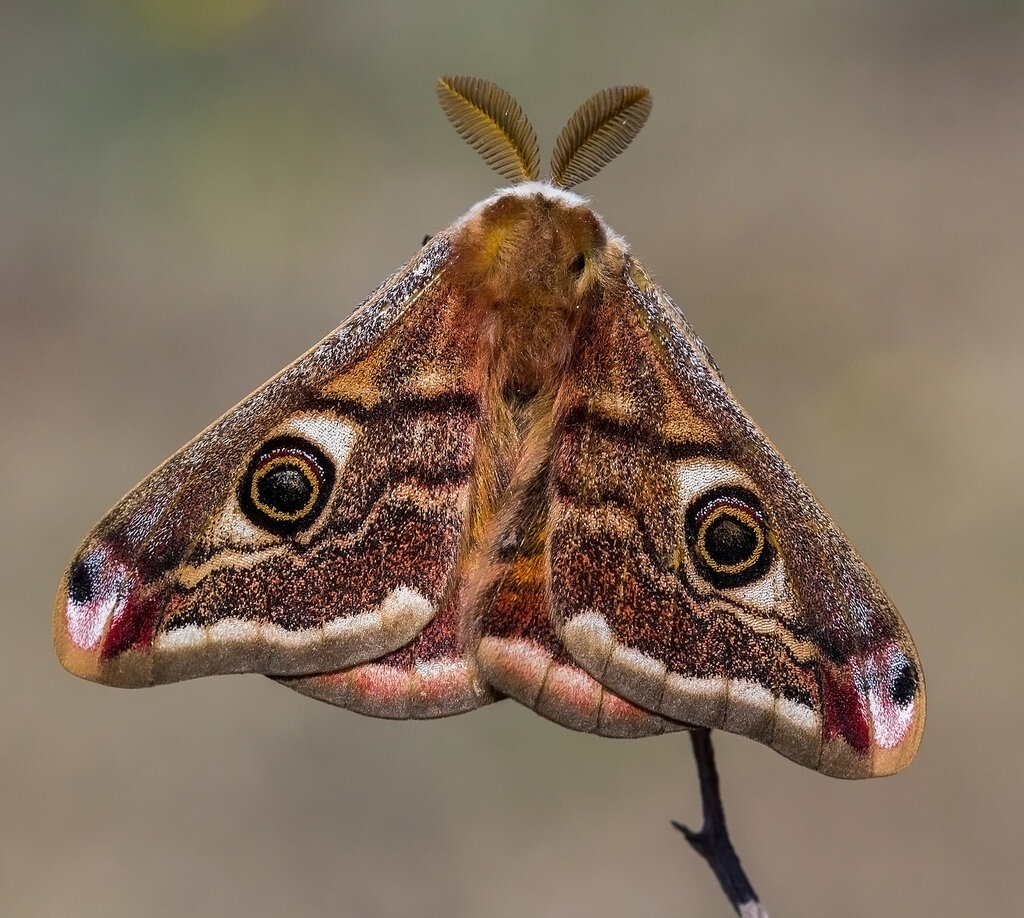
x: 568, y: 199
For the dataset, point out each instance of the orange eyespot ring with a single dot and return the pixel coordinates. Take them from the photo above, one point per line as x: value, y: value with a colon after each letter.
x: 728, y: 537
x: 286, y: 485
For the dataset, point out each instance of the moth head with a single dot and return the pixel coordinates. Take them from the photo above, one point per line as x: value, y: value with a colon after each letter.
x: 534, y: 246
x: 535, y: 253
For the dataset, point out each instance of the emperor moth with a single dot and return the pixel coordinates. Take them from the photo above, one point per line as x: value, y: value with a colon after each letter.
x: 514, y: 472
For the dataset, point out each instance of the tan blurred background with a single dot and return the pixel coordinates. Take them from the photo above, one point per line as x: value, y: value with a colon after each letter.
x: 192, y: 193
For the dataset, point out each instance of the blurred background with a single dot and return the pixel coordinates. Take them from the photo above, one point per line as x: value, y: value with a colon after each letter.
x: 193, y: 193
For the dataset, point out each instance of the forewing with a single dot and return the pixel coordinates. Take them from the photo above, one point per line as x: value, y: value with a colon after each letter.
x: 694, y: 574
x: 317, y: 525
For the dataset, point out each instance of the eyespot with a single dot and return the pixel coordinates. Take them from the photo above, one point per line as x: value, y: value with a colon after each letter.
x: 903, y: 687
x: 728, y: 537
x: 80, y: 583
x: 286, y: 485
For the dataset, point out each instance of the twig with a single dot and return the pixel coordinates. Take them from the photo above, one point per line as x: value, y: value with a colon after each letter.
x: 712, y: 841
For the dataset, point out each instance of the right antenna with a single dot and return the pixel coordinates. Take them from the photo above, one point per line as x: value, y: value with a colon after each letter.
x: 599, y: 130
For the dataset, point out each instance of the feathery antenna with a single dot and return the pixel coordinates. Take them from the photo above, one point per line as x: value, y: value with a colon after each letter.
x: 493, y: 124
x: 599, y: 130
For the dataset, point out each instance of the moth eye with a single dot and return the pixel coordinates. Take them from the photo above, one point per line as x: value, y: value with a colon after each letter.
x: 728, y: 537
x: 286, y: 485
x: 578, y: 264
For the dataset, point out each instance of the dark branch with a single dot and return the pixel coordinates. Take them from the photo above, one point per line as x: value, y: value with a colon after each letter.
x: 712, y: 841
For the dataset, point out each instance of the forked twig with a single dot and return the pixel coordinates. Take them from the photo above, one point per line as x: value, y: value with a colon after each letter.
x: 712, y: 841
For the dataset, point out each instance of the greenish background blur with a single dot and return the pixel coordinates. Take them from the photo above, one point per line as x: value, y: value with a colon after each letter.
x: 192, y: 193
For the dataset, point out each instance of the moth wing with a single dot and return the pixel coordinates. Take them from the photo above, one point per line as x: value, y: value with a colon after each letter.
x: 693, y: 573
x: 434, y: 675
x: 315, y: 526
x: 518, y: 650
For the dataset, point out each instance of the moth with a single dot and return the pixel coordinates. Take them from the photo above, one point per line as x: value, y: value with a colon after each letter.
x: 514, y: 472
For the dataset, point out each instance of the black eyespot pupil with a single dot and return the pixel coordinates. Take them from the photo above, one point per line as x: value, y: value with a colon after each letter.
x: 285, y: 489
x: 729, y: 541
x: 578, y: 264
x: 904, y: 686
x: 79, y: 583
